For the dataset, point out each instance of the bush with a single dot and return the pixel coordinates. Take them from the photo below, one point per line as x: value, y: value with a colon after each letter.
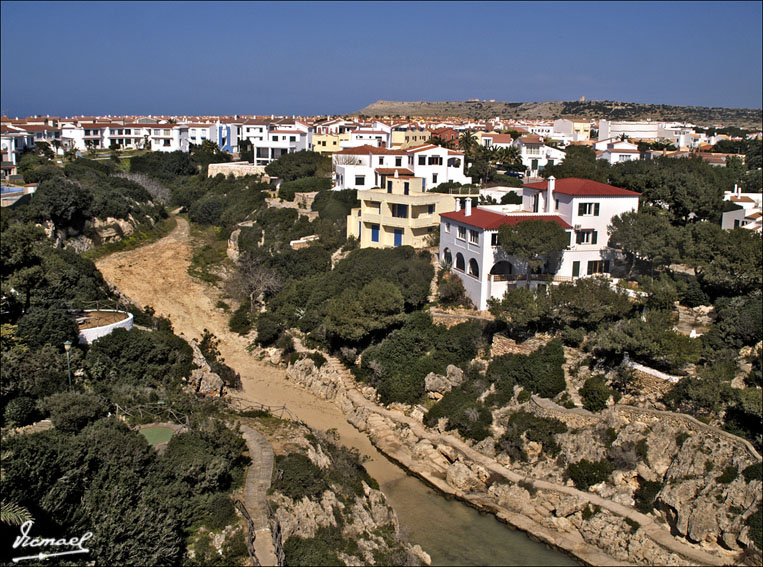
x: 573, y: 337
x: 21, y: 411
x: 595, y: 394
x: 71, y: 412
x: 753, y: 472
x: 586, y: 473
x: 317, y: 358
x: 300, y: 477
x: 220, y: 512
x: 645, y: 495
x: 534, y: 428
x: 540, y: 372
x: 304, y: 185
x: 47, y: 326
x: 464, y: 412
x: 755, y: 523
x: 240, y: 321
x: 728, y: 475
x: 269, y: 328
x: 694, y: 296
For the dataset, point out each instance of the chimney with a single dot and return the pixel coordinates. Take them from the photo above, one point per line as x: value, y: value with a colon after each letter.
x: 468, y: 210
x: 458, y: 205
x: 550, y: 193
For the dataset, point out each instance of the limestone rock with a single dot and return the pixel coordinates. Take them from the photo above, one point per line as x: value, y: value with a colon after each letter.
x: 203, y: 380
x: 462, y: 477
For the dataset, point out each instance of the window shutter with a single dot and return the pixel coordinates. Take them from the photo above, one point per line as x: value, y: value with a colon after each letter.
x: 579, y: 238
x: 581, y: 209
x: 593, y: 237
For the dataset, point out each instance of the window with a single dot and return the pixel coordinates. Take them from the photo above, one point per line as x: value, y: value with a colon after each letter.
x: 576, y: 269
x: 587, y: 237
x: 460, y: 262
x: 598, y: 267
x: 399, y: 211
x: 447, y: 257
x: 535, y: 202
x: 447, y: 227
x: 430, y: 209
x: 474, y: 237
x: 374, y: 233
x: 434, y: 178
x: 588, y: 209
x: 556, y: 204
x: 494, y: 239
x: 474, y: 268
x: 398, y: 162
x: 462, y: 232
x: 389, y: 186
x: 360, y: 180
x: 275, y: 138
x: 624, y: 158
x: 435, y: 160
x: 292, y: 138
x: 381, y: 160
x: 422, y: 160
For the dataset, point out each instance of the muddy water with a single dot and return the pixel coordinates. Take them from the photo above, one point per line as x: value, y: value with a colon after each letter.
x: 450, y: 531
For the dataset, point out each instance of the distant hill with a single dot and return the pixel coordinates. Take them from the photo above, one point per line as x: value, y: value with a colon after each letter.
x: 611, y: 110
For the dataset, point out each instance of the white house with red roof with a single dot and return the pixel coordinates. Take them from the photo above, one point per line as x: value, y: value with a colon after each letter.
x: 365, y: 167
x: 284, y: 136
x: 536, y: 155
x: 618, y: 152
x: 584, y: 208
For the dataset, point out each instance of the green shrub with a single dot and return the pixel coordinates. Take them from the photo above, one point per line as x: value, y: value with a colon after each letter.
x: 645, y: 495
x: 573, y: 337
x: 590, y: 511
x: 300, y: 477
x: 318, y: 550
x: 534, y: 428
x: 729, y: 475
x: 464, y: 412
x: 586, y: 473
x: 317, y: 358
x: 753, y: 472
x: 632, y: 524
x: 21, y: 411
x: 269, y: 328
x: 540, y: 372
x: 681, y: 438
x: 71, y: 411
x: 642, y: 450
x: 595, y: 394
x: 755, y: 522
x: 47, y: 326
x: 304, y: 185
x: 220, y: 512
x: 523, y: 396
x: 240, y: 321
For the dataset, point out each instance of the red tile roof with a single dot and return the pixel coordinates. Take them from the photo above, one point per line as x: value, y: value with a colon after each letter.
x: 405, y: 172
x: 365, y: 150
x: 582, y: 188
x: 488, y: 220
x: 530, y: 140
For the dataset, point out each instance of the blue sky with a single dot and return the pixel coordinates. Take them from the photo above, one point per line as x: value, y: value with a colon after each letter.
x: 335, y: 57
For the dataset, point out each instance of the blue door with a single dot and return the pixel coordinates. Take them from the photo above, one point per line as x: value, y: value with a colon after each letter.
x: 374, y: 233
x: 398, y: 237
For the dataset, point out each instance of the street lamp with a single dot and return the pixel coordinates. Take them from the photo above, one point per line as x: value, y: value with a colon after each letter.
x: 67, y: 347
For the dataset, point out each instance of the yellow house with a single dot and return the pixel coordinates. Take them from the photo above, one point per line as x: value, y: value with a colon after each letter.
x: 400, y: 214
x: 582, y: 130
x: 329, y: 143
x: 408, y: 138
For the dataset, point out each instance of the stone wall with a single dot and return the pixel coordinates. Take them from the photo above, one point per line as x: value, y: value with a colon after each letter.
x: 237, y: 169
x: 504, y: 345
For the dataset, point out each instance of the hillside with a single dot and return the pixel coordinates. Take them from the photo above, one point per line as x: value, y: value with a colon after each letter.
x: 611, y: 110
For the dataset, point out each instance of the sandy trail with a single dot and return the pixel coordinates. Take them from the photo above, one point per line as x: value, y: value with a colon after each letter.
x: 157, y: 275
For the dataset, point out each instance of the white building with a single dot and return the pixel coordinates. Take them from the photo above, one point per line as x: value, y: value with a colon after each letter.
x: 618, y: 152
x: 168, y: 137
x: 283, y: 137
x: 584, y: 208
x: 536, y: 155
x: 13, y: 141
x: 644, y: 130
x: 366, y: 166
x: 749, y: 216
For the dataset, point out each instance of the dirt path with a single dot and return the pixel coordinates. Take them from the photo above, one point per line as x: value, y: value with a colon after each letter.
x: 157, y: 275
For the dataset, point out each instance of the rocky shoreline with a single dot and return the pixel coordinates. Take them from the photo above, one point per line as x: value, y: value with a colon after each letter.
x: 597, y: 528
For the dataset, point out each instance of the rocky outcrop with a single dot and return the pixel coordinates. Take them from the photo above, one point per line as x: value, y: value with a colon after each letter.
x: 550, y: 508
x: 96, y: 231
x: 203, y: 380
x: 437, y: 385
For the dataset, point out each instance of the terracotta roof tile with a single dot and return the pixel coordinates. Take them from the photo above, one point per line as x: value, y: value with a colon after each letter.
x: 488, y: 220
x: 582, y: 188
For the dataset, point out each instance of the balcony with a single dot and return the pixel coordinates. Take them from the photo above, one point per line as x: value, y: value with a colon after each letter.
x: 548, y: 278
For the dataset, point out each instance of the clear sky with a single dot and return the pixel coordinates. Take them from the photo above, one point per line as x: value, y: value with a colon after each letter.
x: 310, y: 58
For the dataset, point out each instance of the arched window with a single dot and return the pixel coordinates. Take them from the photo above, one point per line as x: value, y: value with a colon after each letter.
x: 447, y: 257
x: 474, y: 268
x: 502, y: 268
x: 460, y: 262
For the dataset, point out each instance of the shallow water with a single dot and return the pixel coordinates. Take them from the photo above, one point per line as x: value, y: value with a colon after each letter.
x: 156, y: 435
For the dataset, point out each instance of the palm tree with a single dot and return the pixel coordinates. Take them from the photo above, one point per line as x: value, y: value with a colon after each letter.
x: 12, y: 514
x: 467, y: 142
x: 440, y: 142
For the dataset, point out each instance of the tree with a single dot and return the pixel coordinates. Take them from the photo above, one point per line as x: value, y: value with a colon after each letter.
x: 43, y: 149
x: 467, y: 143
x: 533, y: 242
x: 299, y: 164
x: 355, y: 314
x: 645, y: 236
x: 254, y: 280
x: 520, y: 309
x: 579, y: 161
